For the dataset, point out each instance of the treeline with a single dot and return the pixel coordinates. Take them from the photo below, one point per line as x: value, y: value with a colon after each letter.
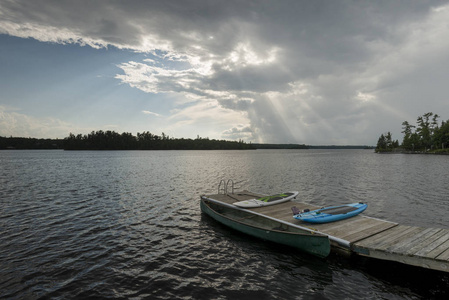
x: 344, y: 147
x: 280, y: 146
x: 30, y: 143
x: 427, y: 135
x: 110, y: 140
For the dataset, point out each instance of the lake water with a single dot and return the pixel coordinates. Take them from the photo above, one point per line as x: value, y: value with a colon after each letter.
x: 127, y: 224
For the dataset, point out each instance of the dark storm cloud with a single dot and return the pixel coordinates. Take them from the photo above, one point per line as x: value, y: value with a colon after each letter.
x: 337, y: 69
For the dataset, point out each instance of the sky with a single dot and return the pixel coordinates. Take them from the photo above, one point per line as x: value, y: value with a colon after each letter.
x: 308, y: 72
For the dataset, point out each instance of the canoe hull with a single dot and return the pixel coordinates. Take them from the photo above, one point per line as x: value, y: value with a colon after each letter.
x: 266, y: 229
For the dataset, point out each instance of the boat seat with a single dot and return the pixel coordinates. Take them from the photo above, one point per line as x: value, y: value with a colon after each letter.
x: 295, y: 210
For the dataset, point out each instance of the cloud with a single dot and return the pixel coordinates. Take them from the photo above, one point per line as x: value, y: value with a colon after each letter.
x: 208, y: 116
x: 241, y: 131
x: 291, y: 71
x: 13, y: 123
x: 147, y: 112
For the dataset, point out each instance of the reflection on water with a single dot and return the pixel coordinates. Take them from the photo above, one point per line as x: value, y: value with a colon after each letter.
x: 128, y: 224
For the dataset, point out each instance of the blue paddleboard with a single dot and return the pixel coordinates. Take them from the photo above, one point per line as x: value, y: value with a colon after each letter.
x: 331, y: 213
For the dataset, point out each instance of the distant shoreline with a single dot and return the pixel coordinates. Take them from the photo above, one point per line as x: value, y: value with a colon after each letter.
x: 58, y: 144
x: 414, y: 152
x: 20, y: 143
x: 343, y: 147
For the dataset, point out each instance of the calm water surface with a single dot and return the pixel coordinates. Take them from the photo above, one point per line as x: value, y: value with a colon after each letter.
x: 127, y: 224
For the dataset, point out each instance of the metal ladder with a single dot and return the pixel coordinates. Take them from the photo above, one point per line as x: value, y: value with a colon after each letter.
x: 225, y: 186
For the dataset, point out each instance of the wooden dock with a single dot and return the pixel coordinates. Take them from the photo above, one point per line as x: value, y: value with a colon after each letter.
x: 366, y: 236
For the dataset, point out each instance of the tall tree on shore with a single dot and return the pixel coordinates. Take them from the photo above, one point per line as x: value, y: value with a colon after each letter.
x: 426, y: 129
x: 441, y: 136
x: 407, y: 130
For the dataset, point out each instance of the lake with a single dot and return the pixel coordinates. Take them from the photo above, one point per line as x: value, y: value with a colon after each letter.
x: 127, y: 224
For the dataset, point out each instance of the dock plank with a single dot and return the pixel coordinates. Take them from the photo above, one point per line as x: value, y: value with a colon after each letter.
x: 401, y: 240
x: 368, y: 231
x: 439, y: 251
x: 387, y: 237
x: 347, y: 227
x: 423, y: 242
x: 405, y: 245
x: 444, y: 256
x: 354, y: 222
x: 408, y: 235
x: 334, y: 226
x: 438, y: 240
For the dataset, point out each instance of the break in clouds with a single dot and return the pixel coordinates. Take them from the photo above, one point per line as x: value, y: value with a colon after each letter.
x: 315, y: 72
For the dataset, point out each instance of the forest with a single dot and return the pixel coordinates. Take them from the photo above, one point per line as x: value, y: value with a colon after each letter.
x: 427, y: 136
x: 21, y: 143
x: 110, y: 140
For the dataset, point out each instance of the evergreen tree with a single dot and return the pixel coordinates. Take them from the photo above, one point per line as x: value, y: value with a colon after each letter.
x: 381, y: 144
x: 407, y: 130
x: 386, y: 143
x: 428, y: 134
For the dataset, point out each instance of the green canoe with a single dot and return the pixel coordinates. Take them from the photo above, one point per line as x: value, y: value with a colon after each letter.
x: 266, y: 228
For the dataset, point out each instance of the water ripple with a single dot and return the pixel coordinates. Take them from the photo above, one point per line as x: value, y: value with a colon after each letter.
x: 122, y: 225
